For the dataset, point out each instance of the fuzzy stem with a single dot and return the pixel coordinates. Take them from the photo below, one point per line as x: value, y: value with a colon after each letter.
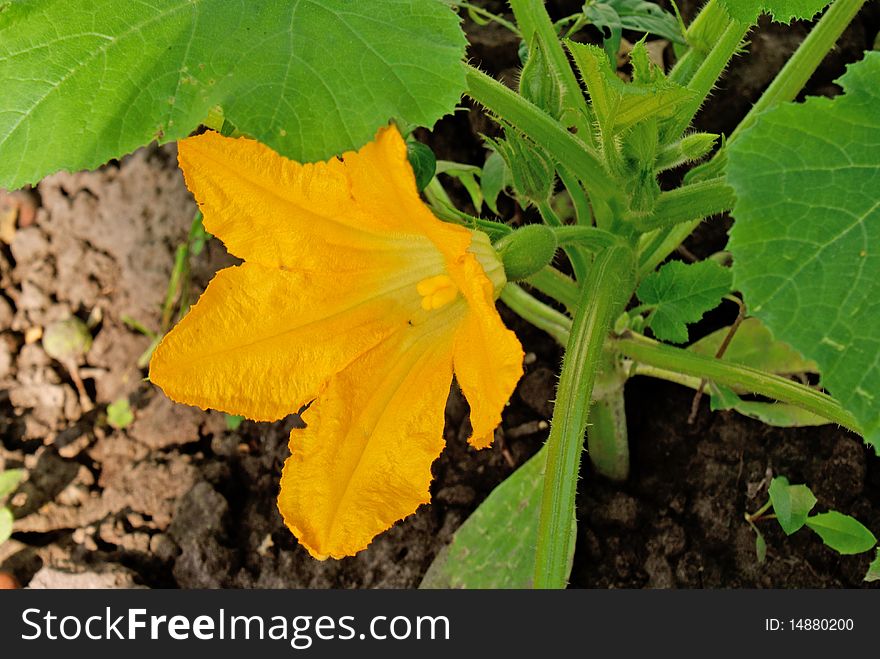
x: 607, y: 440
x: 553, y: 283
x: 533, y: 20
x: 590, y: 238
x: 537, y: 313
x: 687, y: 204
x: 735, y: 376
x: 797, y: 71
x: 604, y: 293
x: 707, y: 74
x: 583, y: 215
x: 544, y: 130
x: 703, y: 32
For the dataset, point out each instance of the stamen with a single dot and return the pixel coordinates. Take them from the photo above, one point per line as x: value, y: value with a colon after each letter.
x: 436, y: 292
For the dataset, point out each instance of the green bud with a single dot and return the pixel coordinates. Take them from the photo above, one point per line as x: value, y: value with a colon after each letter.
x: 527, y: 250
x: 538, y: 82
x: 688, y: 149
x: 531, y: 170
x: 67, y: 340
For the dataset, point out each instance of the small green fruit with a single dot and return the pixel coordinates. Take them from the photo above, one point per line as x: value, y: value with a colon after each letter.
x: 527, y: 250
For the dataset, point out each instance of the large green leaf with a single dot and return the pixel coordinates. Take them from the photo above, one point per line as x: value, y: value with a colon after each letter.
x: 806, y: 242
x: 495, y: 547
x: 784, y: 11
x: 88, y: 80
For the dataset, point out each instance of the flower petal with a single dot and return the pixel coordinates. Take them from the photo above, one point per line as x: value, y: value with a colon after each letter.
x: 364, y: 461
x: 488, y: 356
x: 382, y: 180
x: 277, y: 212
x: 262, y: 342
x: 326, y: 216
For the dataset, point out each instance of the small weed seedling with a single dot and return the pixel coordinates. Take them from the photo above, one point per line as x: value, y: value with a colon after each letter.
x: 364, y: 289
x: 791, y: 506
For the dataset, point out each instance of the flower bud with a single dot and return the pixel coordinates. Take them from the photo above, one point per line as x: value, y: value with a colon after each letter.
x: 538, y: 82
x: 688, y: 149
x: 531, y: 170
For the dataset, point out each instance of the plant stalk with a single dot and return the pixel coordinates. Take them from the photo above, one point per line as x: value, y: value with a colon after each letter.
x: 797, y: 71
x: 735, y: 376
x: 533, y: 20
x: 688, y: 204
x: 544, y: 130
x: 604, y: 293
x: 607, y: 439
x: 707, y: 74
x: 554, y: 284
x: 537, y: 313
x: 703, y: 32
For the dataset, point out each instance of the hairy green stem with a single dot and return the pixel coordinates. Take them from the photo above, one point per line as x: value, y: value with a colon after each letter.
x: 537, y: 313
x: 578, y: 259
x: 554, y: 284
x: 707, y: 74
x: 703, y: 32
x: 534, y: 21
x: 687, y: 204
x: 604, y: 293
x: 589, y: 238
x: 607, y: 437
x: 548, y: 214
x: 488, y: 15
x: 735, y: 376
x: 543, y: 129
x: 806, y: 59
x: 583, y: 215
x: 662, y: 243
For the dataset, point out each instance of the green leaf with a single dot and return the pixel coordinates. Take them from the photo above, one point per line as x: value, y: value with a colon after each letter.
x: 873, y: 573
x: 614, y: 16
x: 89, y: 80
x: 6, y: 521
x: 423, y: 161
x: 722, y: 398
x: 680, y: 294
x: 495, y: 547
x: 844, y: 534
x: 9, y: 481
x: 791, y: 503
x: 495, y: 178
x: 806, y: 242
x: 781, y: 415
x: 119, y: 414
x: 747, y: 11
x: 760, y: 546
x: 619, y: 105
x: 467, y: 176
x: 753, y: 345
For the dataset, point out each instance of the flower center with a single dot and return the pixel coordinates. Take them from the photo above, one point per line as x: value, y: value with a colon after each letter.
x: 437, y: 291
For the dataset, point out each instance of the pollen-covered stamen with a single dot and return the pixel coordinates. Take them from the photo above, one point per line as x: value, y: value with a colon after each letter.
x: 437, y: 291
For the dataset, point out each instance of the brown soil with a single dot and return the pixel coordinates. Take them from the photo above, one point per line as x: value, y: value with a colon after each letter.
x: 177, y: 500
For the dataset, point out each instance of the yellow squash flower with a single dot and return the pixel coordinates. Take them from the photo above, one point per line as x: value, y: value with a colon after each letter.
x: 352, y: 297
